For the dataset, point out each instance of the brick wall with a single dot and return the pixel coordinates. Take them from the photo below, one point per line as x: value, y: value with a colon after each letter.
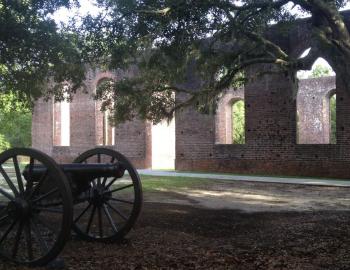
x: 271, y: 124
x: 271, y: 105
x: 271, y: 139
x: 86, y: 127
x: 314, y: 111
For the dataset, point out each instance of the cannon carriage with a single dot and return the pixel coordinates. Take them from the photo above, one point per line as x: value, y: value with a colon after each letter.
x: 98, y: 196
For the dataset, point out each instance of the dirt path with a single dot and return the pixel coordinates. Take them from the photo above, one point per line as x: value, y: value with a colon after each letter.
x: 170, y: 236
x: 263, y: 226
x: 256, y: 197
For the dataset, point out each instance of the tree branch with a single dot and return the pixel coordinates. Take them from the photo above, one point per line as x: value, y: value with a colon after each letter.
x: 275, y: 48
x: 257, y: 5
x: 306, y: 62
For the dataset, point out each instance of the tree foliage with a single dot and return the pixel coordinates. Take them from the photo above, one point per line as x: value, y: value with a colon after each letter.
x: 238, y: 122
x: 35, y: 57
x: 320, y: 71
x: 16, y: 122
x: 168, y: 41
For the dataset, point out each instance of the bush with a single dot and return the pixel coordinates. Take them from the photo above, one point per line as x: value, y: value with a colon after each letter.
x: 15, y: 122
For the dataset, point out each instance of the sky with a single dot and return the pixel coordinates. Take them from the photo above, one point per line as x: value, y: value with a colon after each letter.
x: 86, y: 7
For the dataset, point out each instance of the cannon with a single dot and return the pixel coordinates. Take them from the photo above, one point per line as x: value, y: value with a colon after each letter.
x: 98, y: 197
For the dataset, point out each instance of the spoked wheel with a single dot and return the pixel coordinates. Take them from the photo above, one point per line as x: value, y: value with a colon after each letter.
x: 35, y: 207
x: 109, y: 207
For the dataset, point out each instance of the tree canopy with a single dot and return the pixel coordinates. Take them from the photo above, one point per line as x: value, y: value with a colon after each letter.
x: 163, y: 39
x: 35, y: 56
x: 16, y: 121
x: 320, y: 71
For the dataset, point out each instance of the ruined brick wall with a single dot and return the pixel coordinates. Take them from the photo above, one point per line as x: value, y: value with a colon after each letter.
x: 271, y: 146
x: 86, y: 122
x: 313, y: 112
x: 223, y: 117
x: 272, y: 105
x: 271, y: 139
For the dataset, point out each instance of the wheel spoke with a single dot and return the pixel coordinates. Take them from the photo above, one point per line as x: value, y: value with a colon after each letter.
x: 45, y: 195
x: 118, y: 189
x: 17, y: 239
x: 104, y: 181
x: 111, y: 182
x: 100, y: 221
x: 98, y: 158
x: 29, y: 183
x: 7, y: 195
x: 18, y: 175
x: 39, y: 184
x: 28, y: 234
x: 7, y: 231
x: 93, y: 183
x: 4, y: 218
x: 123, y: 201
x: 99, y: 161
x: 110, y: 219
x: 82, y: 213
x: 90, y: 219
x: 117, y: 211
x: 31, y: 167
x: 8, y: 181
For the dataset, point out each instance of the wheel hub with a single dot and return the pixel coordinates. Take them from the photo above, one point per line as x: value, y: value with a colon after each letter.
x: 19, y: 208
x: 99, y: 196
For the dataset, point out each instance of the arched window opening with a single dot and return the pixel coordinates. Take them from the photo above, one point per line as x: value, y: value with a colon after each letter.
x: 105, y: 131
x: 108, y: 130
x: 333, y: 119
x: 315, y: 116
x: 61, y: 124
x: 319, y: 69
x: 238, y: 122
x: 163, y: 150
x: 230, y: 117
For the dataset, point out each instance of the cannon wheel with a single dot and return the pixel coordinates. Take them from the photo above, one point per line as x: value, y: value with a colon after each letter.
x: 33, y: 231
x: 108, y: 210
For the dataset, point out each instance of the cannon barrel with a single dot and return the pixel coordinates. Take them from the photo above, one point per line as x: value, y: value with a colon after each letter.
x: 77, y: 171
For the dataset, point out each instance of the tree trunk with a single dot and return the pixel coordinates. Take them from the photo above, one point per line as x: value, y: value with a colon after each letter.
x: 332, y: 38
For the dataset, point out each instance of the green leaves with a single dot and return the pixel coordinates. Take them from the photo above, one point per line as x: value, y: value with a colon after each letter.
x: 34, y: 55
x: 320, y: 71
x: 238, y: 122
x: 195, y: 47
x: 16, y: 121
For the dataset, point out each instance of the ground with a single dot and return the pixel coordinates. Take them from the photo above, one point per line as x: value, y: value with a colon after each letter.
x: 208, y: 224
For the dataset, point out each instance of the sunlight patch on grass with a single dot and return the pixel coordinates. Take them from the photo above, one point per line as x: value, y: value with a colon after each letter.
x: 162, y: 183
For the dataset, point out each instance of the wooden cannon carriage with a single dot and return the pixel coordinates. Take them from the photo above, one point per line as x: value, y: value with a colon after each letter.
x: 99, y: 196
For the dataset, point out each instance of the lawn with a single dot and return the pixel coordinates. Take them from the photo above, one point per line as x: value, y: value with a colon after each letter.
x: 158, y: 183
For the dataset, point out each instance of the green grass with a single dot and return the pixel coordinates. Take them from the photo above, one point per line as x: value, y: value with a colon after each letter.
x: 259, y: 175
x: 153, y: 183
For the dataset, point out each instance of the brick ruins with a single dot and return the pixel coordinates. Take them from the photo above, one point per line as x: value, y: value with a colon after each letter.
x: 203, y: 142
